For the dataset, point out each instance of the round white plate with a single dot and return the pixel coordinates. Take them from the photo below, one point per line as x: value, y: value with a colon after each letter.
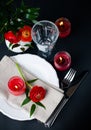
x: 40, y: 68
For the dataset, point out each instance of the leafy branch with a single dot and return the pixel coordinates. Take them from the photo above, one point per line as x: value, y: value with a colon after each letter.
x: 27, y: 99
x: 12, y: 17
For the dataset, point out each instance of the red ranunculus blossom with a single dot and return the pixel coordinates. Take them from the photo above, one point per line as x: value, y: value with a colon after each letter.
x: 26, y: 33
x: 11, y: 37
x: 37, y: 93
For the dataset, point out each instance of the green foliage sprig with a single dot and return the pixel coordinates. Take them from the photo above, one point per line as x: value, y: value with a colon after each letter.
x: 13, y: 17
x: 27, y: 98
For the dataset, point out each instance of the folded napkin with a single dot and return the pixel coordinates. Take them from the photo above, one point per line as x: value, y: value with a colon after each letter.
x: 51, y: 100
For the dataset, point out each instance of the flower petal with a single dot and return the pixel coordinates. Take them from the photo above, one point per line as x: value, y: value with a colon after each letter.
x: 37, y: 93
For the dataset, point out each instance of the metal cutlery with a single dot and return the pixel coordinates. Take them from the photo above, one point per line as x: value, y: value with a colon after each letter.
x: 65, y: 83
x: 67, y: 94
x: 68, y: 78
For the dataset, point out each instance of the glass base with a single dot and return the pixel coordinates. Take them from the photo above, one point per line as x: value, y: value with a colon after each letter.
x: 44, y: 55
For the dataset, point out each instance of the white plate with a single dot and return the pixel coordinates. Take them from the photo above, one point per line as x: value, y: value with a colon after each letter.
x: 39, y: 67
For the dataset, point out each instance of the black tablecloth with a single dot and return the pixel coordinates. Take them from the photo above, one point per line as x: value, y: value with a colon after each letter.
x: 77, y: 112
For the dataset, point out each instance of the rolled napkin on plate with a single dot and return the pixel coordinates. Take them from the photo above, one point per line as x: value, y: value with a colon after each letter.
x: 52, y: 98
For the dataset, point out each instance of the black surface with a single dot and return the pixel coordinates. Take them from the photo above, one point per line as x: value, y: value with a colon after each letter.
x: 77, y: 112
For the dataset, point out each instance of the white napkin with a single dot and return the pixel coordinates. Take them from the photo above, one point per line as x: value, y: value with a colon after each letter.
x: 51, y: 100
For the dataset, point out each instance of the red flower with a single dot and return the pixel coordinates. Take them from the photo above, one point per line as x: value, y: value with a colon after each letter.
x: 26, y: 33
x: 37, y: 93
x: 11, y: 37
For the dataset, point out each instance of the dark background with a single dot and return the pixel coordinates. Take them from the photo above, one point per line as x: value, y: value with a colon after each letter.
x: 77, y: 112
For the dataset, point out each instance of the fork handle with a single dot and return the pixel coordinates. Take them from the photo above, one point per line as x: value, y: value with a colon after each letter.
x: 53, y: 117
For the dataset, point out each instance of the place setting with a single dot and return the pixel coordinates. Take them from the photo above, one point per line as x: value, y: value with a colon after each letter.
x: 33, y: 73
x: 13, y: 95
x: 29, y: 84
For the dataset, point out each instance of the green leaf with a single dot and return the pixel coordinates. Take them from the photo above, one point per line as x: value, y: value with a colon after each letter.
x: 10, y: 44
x: 34, y: 21
x: 31, y: 81
x: 40, y: 104
x: 22, y: 48
x: 27, y: 91
x: 27, y: 16
x: 32, y: 110
x: 27, y: 44
x: 15, y: 45
x: 26, y: 100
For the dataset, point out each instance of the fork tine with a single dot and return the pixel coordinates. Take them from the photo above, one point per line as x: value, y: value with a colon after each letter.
x: 70, y: 75
x: 68, y: 78
x: 67, y: 75
x: 69, y: 72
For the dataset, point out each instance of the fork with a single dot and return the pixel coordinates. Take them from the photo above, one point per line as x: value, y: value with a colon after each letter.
x: 64, y: 84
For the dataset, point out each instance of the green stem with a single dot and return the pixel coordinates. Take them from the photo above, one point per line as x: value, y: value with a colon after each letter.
x: 29, y: 85
x: 9, y: 2
x: 20, y: 71
x: 3, y: 26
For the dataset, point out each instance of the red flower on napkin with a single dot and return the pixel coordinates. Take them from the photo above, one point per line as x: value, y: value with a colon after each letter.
x: 37, y: 93
x: 33, y: 93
